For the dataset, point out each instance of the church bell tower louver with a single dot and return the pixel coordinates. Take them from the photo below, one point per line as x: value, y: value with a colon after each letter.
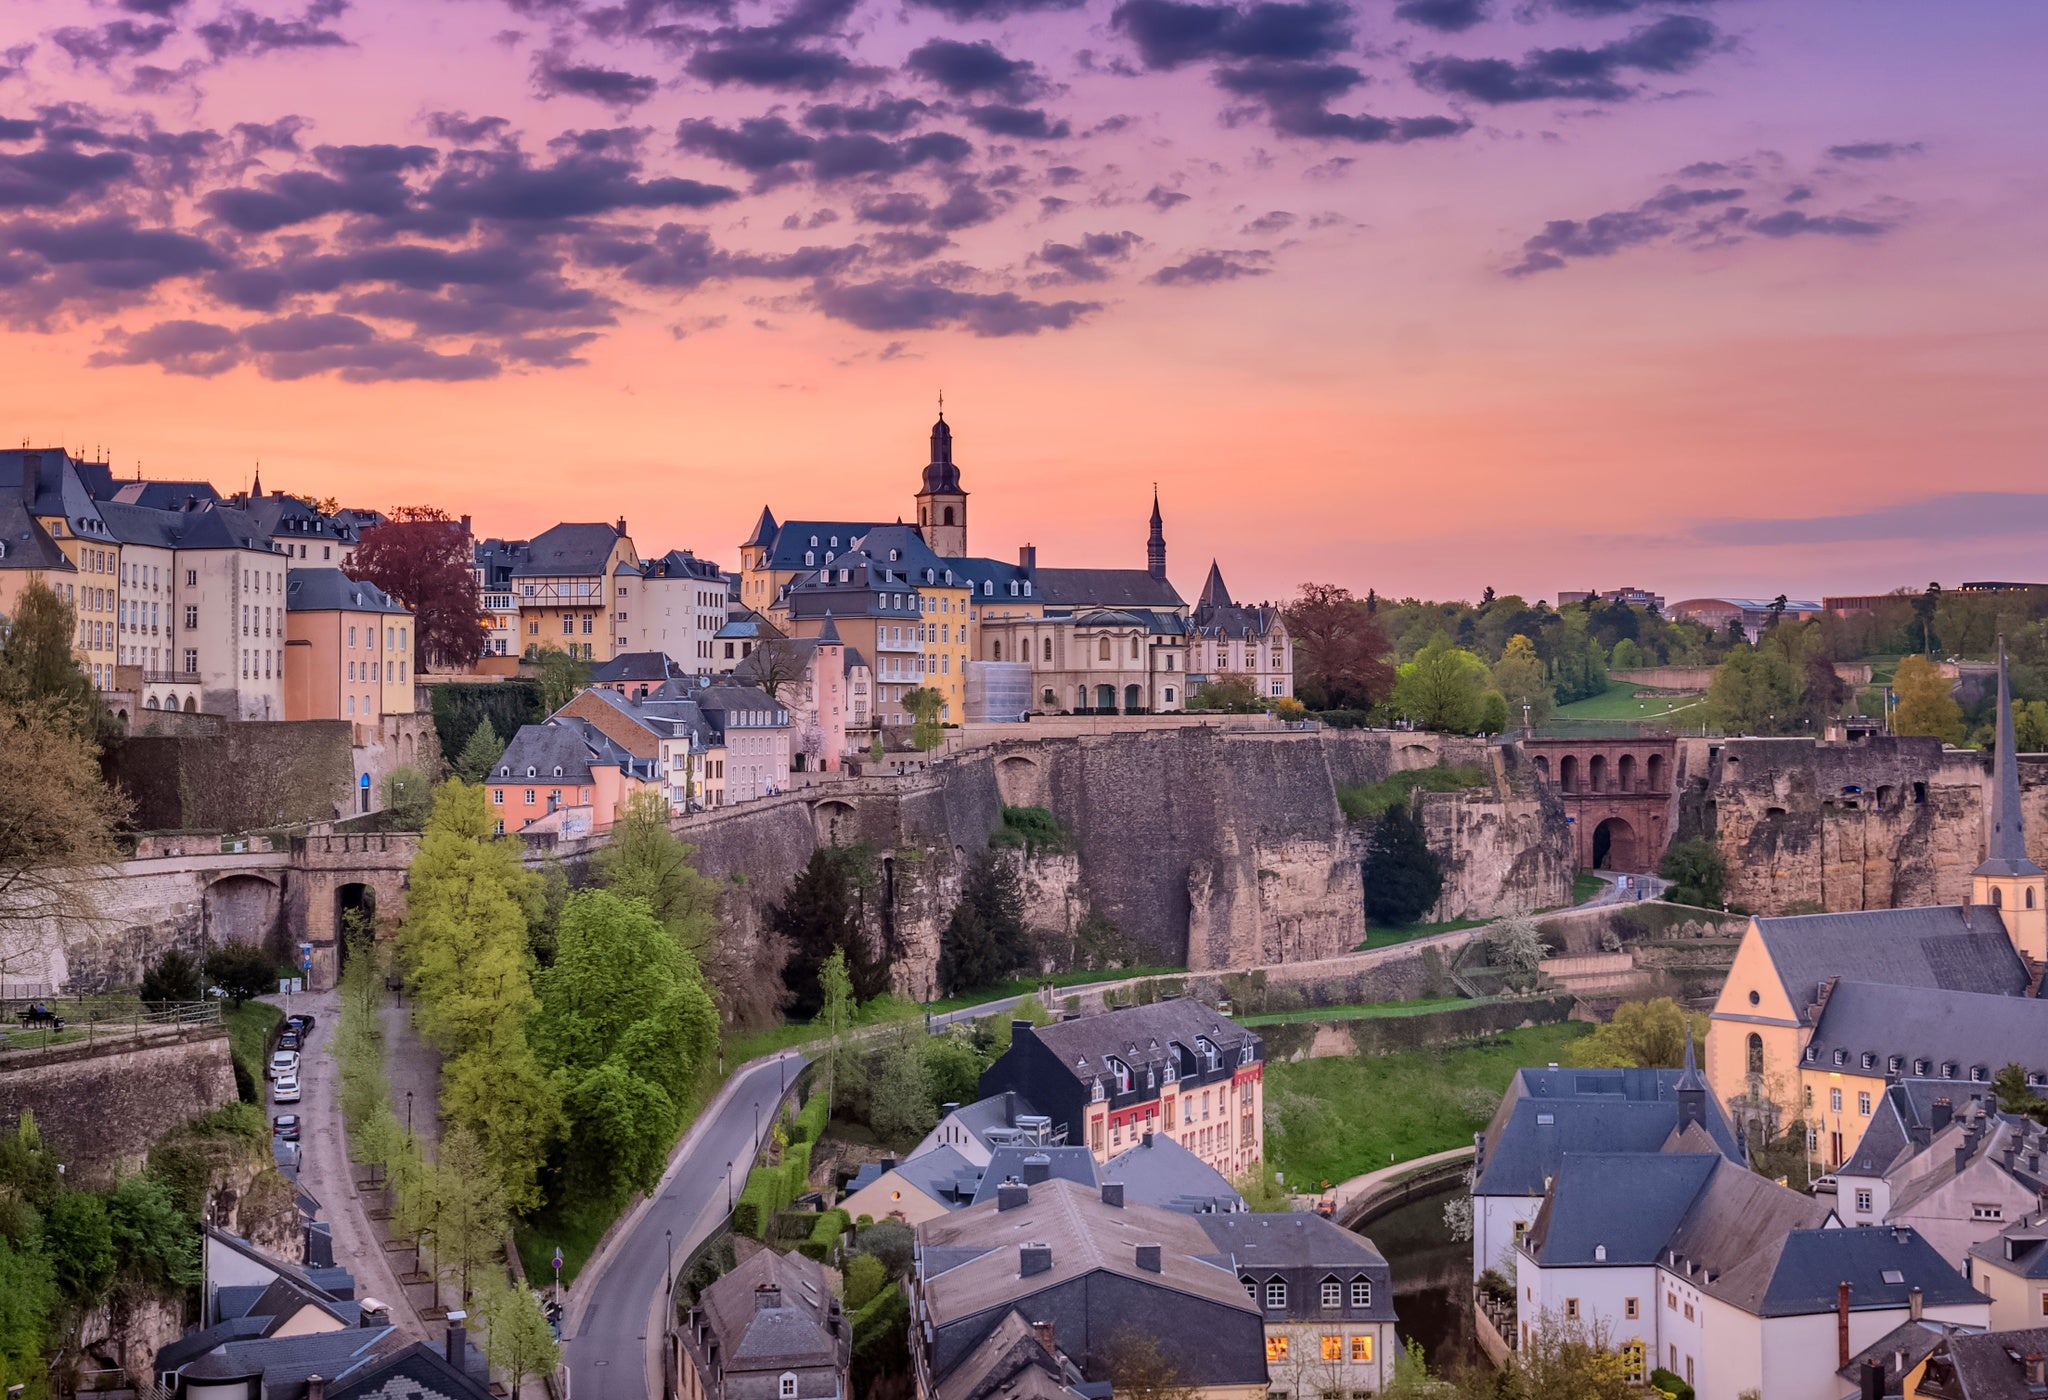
x: 941, y: 503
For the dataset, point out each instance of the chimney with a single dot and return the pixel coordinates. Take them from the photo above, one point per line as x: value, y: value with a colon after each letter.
x: 2037, y: 1370
x: 1027, y: 558
x: 767, y: 1297
x: 458, y: 1340
x: 1037, y: 1167
x: 1842, y: 1326
x: 1962, y: 1156
x: 1033, y: 1259
x: 1010, y: 1095
x: 374, y: 1313
x: 947, y: 1110
x: 1942, y: 1114
x: 622, y: 524
x: 833, y: 1318
x: 1113, y: 1194
x: 1148, y: 1258
x: 31, y: 478
x: 889, y: 1163
x: 1145, y: 1141
x: 1043, y: 1331
x: 1011, y: 1194
x: 1873, y: 1380
x: 1914, y: 1300
x: 316, y: 1388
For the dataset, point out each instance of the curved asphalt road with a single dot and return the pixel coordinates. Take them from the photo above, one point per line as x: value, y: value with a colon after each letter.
x: 614, y: 1332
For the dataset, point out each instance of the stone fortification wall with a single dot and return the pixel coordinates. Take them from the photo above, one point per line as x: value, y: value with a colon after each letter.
x: 104, y: 1105
x: 1869, y: 824
x: 247, y: 777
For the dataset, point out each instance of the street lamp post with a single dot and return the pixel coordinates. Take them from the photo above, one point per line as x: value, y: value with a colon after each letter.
x: 670, y: 1235
x: 728, y: 1188
x: 408, y: 1113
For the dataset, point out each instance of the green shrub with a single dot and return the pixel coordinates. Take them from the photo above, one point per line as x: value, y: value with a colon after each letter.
x: 1670, y: 1384
x: 1366, y: 802
x: 1032, y: 829
x: 810, y: 1122
x: 865, y: 1277
x: 758, y: 1201
x: 796, y: 1165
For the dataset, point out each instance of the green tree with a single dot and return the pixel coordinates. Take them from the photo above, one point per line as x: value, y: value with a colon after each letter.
x: 626, y: 1024
x: 501, y: 1092
x: 28, y: 1297
x: 480, y: 753
x: 1442, y: 688
x: 562, y: 678
x: 1519, y: 677
x: 39, y: 670
x: 1927, y: 703
x: 985, y: 942
x: 242, y: 970
x: 1514, y: 943
x: 471, y: 1214
x: 836, y: 1007
x: 408, y: 797
x: 2030, y: 725
x: 1753, y: 692
x: 901, y: 1105
x: 954, y: 1068
x: 1411, y: 1375
x: 866, y: 1276
x: 1627, y: 655
x: 1402, y: 875
x: 1642, y: 1035
x: 2016, y: 1094
x: 155, y: 1243
x: 821, y: 911
x: 517, y: 1338
x: 875, y: 748
x: 1493, y: 713
x: 924, y: 705
x: 1824, y: 692
x: 1262, y: 1189
x: 57, y: 815
x: 80, y: 1242
x: 172, y: 977
x: 1697, y: 873
x: 1229, y: 693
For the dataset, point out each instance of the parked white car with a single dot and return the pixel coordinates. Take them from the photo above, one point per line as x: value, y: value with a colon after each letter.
x: 286, y: 1090
x: 284, y: 1062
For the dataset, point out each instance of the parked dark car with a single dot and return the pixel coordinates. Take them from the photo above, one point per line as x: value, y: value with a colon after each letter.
x: 289, y: 1040
x: 303, y: 1024
x: 286, y: 1126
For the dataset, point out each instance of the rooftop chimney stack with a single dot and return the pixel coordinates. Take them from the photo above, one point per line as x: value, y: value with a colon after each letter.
x: 1113, y: 1194
x: 316, y: 1388
x: 1044, y: 1332
x: 1915, y: 1300
x: 768, y: 1297
x: 373, y: 1313
x: 1842, y: 1325
x: 1148, y: 1258
x: 1012, y: 1194
x: 1873, y: 1380
x: 458, y: 1339
x: 1033, y: 1259
x: 1037, y: 1167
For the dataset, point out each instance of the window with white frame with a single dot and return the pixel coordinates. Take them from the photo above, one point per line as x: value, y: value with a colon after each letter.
x: 1276, y: 1293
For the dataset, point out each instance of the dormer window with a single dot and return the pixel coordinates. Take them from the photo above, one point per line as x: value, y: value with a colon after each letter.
x: 810, y: 559
x: 988, y: 586
x: 558, y: 770
x: 1812, y: 1054
x: 1869, y: 1059
x: 1841, y: 1057
x: 1948, y: 1069
x: 814, y: 541
x: 1894, y: 1064
x: 1013, y: 588
x: 894, y: 555
x: 1921, y: 1068
x: 788, y: 1389
x: 1027, y: 588
x: 531, y: 771
x: 1122, y: 1072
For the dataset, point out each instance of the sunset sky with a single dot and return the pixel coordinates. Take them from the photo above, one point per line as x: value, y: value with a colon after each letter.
x: 1416, y: 295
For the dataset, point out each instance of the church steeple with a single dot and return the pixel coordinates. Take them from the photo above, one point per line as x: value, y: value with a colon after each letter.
x: 1691, y: 1088
x: 2009, y: 880
x: 1155, y: 543
x: 942, y: 503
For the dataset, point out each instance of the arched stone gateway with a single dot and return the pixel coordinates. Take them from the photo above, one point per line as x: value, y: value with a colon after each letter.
x: 1614, y: 845
x: 240, y: 909
x: 837, y: 823
x: 1621, y: 796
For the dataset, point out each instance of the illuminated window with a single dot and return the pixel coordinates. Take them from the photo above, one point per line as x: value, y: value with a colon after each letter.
x: 1276, y: 1348
x: 1333, y: 1348
x: 1361, y: 1348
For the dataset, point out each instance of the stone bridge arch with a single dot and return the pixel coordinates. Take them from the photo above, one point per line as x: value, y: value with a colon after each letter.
x: 331, y: 875
x: 836, y: 821
x: 1021, y: 781
x: 1620, y: 795
x: 240, y: 906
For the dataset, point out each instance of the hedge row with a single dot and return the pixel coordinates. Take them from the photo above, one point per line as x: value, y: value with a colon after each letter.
x: 810, y: 1122
x: 825, y: 1234
x: 756, y: 1205
x: 796, y: 1166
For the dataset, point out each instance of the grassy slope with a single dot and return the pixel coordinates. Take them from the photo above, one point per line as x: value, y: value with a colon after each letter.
x: 1371, y: 1110
x: 249, y: 1027
x: 1622, y: 701
x: 1364, y: 1012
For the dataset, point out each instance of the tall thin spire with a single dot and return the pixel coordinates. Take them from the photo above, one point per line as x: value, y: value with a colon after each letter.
x: 1155, y: 543
x: 2005, y: 845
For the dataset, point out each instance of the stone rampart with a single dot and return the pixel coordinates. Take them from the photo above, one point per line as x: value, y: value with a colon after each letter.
x: 1807, y: 825
x: 103, y: 1106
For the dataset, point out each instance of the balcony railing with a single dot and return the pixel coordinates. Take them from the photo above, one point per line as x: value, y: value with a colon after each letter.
x: 170, y: 678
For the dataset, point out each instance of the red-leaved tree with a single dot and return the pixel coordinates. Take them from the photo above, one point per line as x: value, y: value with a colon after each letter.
x: 428, y: 562
x: 1342, y: 653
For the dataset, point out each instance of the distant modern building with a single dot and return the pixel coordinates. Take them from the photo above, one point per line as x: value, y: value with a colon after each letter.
x: 772, y: 1329
x: 1175, y: 1067
x: 1754, y: 614
x: 1549, y: 1112
x: 1631, y: 597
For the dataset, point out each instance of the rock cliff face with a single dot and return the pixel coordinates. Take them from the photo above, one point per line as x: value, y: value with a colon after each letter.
x: 1806, y: 825
x: 1210, y: 849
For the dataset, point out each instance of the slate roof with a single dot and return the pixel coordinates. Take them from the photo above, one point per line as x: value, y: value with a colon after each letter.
x: 286, y: 1362
x: 1106, y: 588
x: 1881, y: 1266
x: 1972, y: 1030
x: 756, y: 1338
x: 566, y: 742
x: 1160, y: 1172
x: 419, y: 1372
x: 969, y: 1258
x: 793, y: 537
x: 942, y: 1174
x: 1307, y: 1246
x: 1912, y: 1342
x: 1628, y: 1204
x: 636, y: 666
x: 279, y: 514
x: 682, y: 564
x: 1987, y: 1366
x: 331, y: 590
x: 1933, y: 946
x: 1985, y: 1138
x: 1011, y: 1364
x: 1549, y: 1111
x: 61, y: 486
x: 163, y: 495
x: 2026, y: 1240
x: 1140, y: 1036
x: 28, y: 545
x: 568, y: 550
x: 1007, y: 1164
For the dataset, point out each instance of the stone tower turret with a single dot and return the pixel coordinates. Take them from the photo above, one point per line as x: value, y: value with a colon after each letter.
x: 941, y: 503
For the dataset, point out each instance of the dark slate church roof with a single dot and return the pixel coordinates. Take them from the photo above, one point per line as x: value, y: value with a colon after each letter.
x: 1547, y: 1112
x: 1971, y: 1030
x: 1943, y: 946
x: 1105, y: 588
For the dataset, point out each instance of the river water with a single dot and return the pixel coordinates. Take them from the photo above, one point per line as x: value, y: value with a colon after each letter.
x: 1432, y: 1277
